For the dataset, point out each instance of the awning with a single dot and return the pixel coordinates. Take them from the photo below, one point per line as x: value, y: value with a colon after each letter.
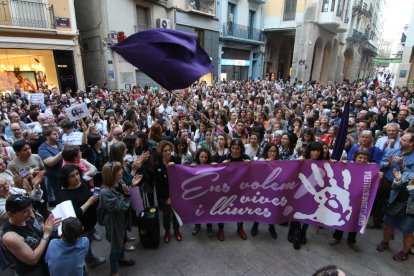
x: 10, y: 42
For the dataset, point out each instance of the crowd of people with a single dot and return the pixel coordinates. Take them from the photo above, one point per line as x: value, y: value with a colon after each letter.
x: 131, y: 137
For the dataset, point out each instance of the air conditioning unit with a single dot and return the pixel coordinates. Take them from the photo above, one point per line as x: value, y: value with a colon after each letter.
x: 163, y: 23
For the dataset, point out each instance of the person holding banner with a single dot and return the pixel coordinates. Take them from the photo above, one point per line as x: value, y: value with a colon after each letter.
x: 270, y: 153
x: 236, y: 154
x: 297, y: 230
x: 360, y: 156
x: 165, y: 158
x: 203, y: 156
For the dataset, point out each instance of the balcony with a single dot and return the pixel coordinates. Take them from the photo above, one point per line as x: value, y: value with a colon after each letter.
x: 241, y: 32
x: 206, y: 7
x: 360, y: 7
x: 358, y: 36
x: 26, y: 14
x: 331, y: 22
x: 258, y: 1
x: 369, y: 46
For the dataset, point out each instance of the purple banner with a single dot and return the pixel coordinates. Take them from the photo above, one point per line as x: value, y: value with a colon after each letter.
x: 337, y: 195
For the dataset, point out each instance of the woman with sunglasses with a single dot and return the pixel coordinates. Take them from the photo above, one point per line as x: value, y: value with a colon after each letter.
x: 26, y: 237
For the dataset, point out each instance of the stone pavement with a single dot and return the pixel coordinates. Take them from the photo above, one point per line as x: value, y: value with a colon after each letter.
x: 260, y: 255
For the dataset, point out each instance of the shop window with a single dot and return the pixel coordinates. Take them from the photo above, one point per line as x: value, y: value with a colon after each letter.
x: 289, y: 12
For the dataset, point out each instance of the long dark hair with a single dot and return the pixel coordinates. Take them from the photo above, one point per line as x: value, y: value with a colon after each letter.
x: 267, y: 148
x: 314, y: 146
x: 199, y: 151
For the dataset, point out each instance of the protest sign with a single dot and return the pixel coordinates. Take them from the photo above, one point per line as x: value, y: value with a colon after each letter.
x: 77, y: 111
x: 321, y: 193
x: 37, y: 98
x: 73, y: 138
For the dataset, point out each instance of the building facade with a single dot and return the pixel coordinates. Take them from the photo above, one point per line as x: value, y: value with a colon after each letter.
x: 39, y: 46
x: 322, y: 40
x: 241, y: 47
x: 404, y: 71
x: 101, y: 22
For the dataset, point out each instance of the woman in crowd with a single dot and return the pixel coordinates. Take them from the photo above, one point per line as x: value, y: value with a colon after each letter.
x: 323, y: 127
x: 92, y: 151
x: 221, y: 126
x: 84, y: 203
x: 181, y: 153
x: 203, y: 157
x: 287, y: 147
x: 221, y: 149
x: 400, y: 214
x: 365, y: 142
x: 165, y: 158
x: 241, y: 132
x: 270, y: 153
x: 208, y: 141
x: 26, y: 237
x: 360, y: 156
x: 71, y: 154
x: 236, y: 154
x: 307, y: 137
x: 329, y: 138
x: 252, y: 149
x: 297, y: 230
x: 115, y: 201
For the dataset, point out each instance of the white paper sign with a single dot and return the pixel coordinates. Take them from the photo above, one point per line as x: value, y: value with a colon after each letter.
x: 77, y: 111
x: 73, y: 138
x: 37, y: 98
x: 63, y: 210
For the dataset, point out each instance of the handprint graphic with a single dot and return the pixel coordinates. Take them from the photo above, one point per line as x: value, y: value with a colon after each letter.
x: 334, y: 201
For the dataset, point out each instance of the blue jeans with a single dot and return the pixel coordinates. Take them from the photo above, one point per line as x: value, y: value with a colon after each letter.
x: 113, y: 260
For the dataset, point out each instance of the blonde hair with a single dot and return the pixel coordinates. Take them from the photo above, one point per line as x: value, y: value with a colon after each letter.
x: 109, y: 171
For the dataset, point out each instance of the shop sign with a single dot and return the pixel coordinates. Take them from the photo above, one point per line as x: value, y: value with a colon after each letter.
x: 235, y: 62
x: 63, y: 22
x: 111, y: 74
x: 37, y: 98
x: 78, y: 111
x: 301, y: 62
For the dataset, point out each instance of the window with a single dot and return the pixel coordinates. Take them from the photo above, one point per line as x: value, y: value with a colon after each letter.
x: 290, y: 10
x: 142, y: 19
x: 231, y: 16
x: 200, y: 37
x: 325, y: 5
x: 333, y: 6
x: 252, y: 17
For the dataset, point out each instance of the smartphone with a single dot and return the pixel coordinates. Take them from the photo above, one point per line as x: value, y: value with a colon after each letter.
x: 96, y: 191
x: 25, y: 172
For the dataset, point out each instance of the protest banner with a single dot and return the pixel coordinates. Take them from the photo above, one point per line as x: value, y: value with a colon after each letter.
x: 37, y: 98
x: 73, y: 138
x: 77, y: 111
x: 337, y: 195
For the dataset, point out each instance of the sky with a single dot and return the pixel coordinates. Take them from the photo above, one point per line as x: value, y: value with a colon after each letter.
x: 397, y: 13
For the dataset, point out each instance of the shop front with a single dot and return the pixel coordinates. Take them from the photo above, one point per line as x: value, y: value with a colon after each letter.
x: 34, y: 70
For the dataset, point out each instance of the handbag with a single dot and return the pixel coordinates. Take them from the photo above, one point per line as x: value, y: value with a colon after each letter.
x: 396, y: 209
x: 100, y: 213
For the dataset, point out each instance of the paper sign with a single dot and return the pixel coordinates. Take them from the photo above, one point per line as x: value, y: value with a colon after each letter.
x: 73, y: 138
x: 77, y: 111
x: 37, y: 98
x: 63, y: 210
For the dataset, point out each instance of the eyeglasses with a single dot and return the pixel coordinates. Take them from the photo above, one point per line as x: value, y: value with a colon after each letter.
x: 3, y: 186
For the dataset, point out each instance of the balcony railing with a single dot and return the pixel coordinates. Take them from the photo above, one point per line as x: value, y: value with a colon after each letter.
x: 241, y: 31
x: 27, y: 14
x: 359, y: 35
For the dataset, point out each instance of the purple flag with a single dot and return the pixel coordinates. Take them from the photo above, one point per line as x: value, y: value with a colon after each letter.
x: 173, y: 59
x: 322, y: 193
x: 342, y: 134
